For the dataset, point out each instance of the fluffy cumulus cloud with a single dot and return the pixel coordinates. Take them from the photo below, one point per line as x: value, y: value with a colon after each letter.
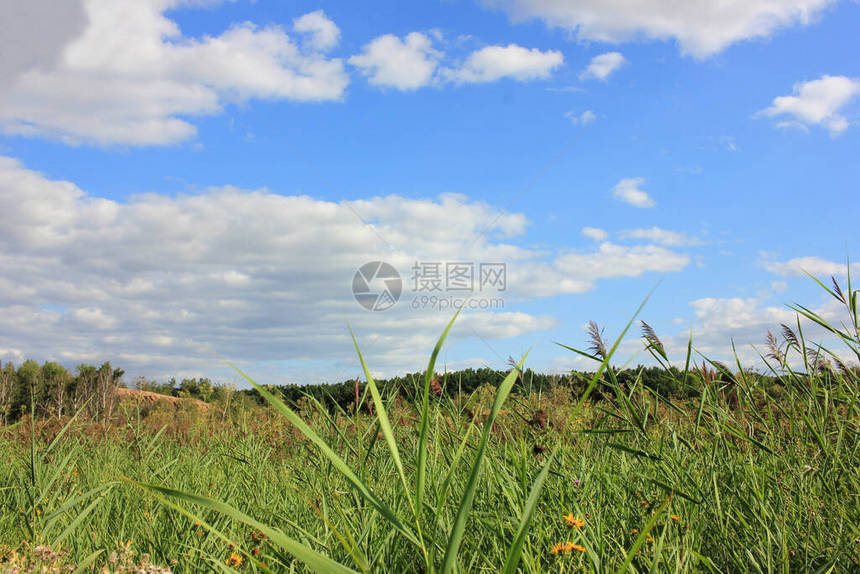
x: 324, y: 34
x: 602, y: 66
x: 627, y: 190
x: 124, y: 72
x: 800, y: 266
x: 737, y: 313
x: 170, y: 284
x: 719, y: 322
x: 725, y: 328
x: 595, y: 233
x: 413, y: 62
x: 701, y: 27
x: 58, y: 22
x: 816, y: 103
x: 512, y: 61
x: 612, y: 260
x: 578, y: 272
x: 716, y: 323
x: 405, y: 64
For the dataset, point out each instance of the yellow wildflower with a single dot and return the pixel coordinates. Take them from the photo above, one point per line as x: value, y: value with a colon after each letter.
x: 574, y: 521
x: 234, y: 560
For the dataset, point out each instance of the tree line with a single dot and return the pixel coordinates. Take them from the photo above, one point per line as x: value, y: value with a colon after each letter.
x: 334, y: 396
x: 50, y: 390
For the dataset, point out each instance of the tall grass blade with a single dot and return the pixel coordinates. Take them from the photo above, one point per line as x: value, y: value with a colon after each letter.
x: 85, y: 563
x: 516, y: 548
x: 640, y: 540
x: 333, y: 457
x: 313, y: 559
x: 604, y: 364
x: 425, y: 417
x: 384, y: 423
x: 459, y: 528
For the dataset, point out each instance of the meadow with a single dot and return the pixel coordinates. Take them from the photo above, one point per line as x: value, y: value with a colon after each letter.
x: 740, y: 472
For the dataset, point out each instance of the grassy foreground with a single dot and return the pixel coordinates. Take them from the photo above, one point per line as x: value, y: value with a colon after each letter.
x: 742, y: 477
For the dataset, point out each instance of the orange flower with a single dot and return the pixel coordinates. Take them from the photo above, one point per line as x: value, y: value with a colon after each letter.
x: 574, y: 521
x: 565, y: 547
x: 676, y: 518
x: 234, y: 560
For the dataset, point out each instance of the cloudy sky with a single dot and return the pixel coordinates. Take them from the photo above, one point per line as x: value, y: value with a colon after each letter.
x: 188, y: 181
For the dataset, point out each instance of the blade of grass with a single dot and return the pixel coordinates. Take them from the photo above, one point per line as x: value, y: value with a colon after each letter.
x: 85, y: 563
x: 459, y: 528
x: 425, y: 415
x: 313, y: 559
x: 516, y: 548
x: 384, y: 423
x: 605, y: 363
x: 333, y: 457
x: 631, y: 554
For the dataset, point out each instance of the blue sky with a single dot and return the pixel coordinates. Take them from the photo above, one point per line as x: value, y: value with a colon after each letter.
x: 186, y: 182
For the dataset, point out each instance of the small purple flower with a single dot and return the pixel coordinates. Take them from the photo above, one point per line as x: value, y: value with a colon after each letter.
x: 576, y: 482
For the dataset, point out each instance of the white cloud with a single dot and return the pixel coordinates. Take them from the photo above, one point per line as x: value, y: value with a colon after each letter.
x: 585, y: 118
x: 719, y: 322
x: 578, y: 272
x: 736, y: 313
x: 93, y: 317
x: 621, y: 261
x: 701, y: 27
x: 325, y: 34
x: 817, y: 102
x: 723, y: 327
x: 627, y: 190
x: 602, y: 66
x: 57, y: 22
x: 129, y: 76
x: 660, y: 236
x: 166, y: 285
x: 493, y: 63
x: 595, y: 233
x: 406, y: 64
x: 414, y: 63
x: 815, y: 265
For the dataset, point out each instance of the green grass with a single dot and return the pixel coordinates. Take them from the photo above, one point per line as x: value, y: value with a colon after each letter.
x: 740, y: 479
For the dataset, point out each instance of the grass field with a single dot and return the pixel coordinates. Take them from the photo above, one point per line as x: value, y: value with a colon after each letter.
x: 751, y: 474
